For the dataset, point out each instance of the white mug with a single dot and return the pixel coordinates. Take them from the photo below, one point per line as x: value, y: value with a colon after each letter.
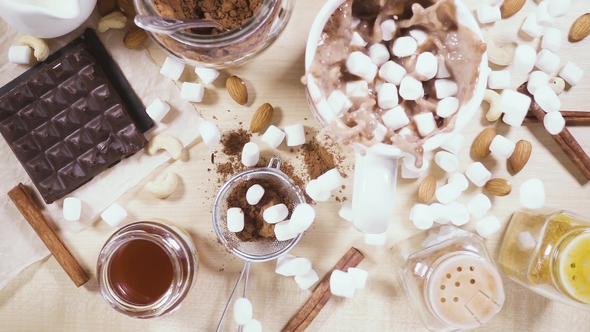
x: 375, y: 172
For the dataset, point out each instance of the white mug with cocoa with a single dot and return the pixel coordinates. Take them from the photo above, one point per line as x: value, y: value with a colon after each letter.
x: 434, y: 57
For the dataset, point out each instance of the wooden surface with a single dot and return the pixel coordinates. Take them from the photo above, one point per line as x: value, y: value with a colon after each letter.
x: 43, y: 298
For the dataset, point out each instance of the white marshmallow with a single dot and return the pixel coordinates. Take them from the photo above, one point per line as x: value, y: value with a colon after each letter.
x: 544, y: 19
x: 242, y: 311
x: 404, y: 46
x: 273, y: 136
x: 554, y: 122
x: 376, y: 239
x: 531, y: 27
x: 359, y: 277
x: 411, y: 88
x: 295, y: 134
x: 571, y: 73
x: 488, y: 14
x: 526, y: 240
x: 420, y: 35
x: 445, y: 88
x: 302, y: 217
x: 392, y: 72
x: 316, y: 192
x: 250, y: 154
x: 172, y: 68
x: 388, y: 28
x: 253, y: 325
x: 395, y: 118
x: 443, y: 71
x: 499, y: 79
x: 537, y: 78
x: 330, y: 180
x: 20, y: 54
x: 341, y: 284
x: 114, y: 215
x: 515, y: 106
x: 502, y: 147
x: 207, y: 75
x: 357, y: 40
x: 254, y: 194
x: 378, y: 84
x: 379, y: 132
x: 307, y: 280
x: 283, y: 231
x: 552, y: 40
x: 338, y: 102
x: 379, y: 54
x: 299, y: 266
x: 282, y: 267
x: 345, y: 211
x: 387, y: 97
x: 235, y: 219
x: 209, y: 133
x: 487, y: 226
x: 547, y: 61
x: 440, y: 213
x: 479, y: 205
x: 459, y: 181
x: 360, y: 64
x: 157, y: 110
x: 447, y: 107
x: 446, y: 160
x: 547, y: 99
x: 357, y: 89
x: 532, y: 194
x: 458, y: 213
x: 478, y: 174
x: 558, y: 8
x: 276, y: 213
x: 426, y: 66
x: 72, y: 208
x: 454, y: 144
x: 422, y: 216
x: 447, y: 193
x: 425, y: 123
x: 524, y: 58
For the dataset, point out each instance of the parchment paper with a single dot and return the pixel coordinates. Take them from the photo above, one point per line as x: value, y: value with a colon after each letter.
x: 19, y: 244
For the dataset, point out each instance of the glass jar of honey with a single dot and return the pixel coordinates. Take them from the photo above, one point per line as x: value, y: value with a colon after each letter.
x: 548, y: 251
x: 450, y: 278
x: 146, y: 268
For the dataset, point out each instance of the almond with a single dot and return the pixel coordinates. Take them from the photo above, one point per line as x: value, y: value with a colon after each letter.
x: 427, y: 189
x: 520, y: 156
x: 261, y: 118
x: 127, y: 7
x: 134, y: 37
x: 498, y: 187
x: 237, y: 90
x: 511, y: 7
x: 481, y: 145
x: 106, y: 7
x: 580, y: 29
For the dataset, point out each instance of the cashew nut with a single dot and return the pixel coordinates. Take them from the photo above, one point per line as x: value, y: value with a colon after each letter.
x: 37, y: 44
x: 557, y: 84
x: 114, y: 20
x: 492, y: 98
x: 162, y: 188
x: 165, y: 142
x: 502, y: 56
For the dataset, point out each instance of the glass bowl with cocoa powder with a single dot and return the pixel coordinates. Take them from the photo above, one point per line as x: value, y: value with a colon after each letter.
x: 250, y: 26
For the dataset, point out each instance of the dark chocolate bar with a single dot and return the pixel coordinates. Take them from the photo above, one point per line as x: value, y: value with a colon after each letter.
x: 71, y: 117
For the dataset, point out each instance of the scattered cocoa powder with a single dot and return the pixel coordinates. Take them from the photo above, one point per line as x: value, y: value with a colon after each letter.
x: 317, y: 159
x: 233, y: 142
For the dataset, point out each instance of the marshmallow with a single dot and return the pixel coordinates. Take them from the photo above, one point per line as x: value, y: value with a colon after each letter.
x: 345, y: 211
x: 72, y: 208
x: 250, y: 154
x: 454, y: 144
x: 20, y: 54
x: 276, y: 213
x: 488, y: 13
x: 502, y: 147
x: 299, y: 266
x: 531, y: 27
x: 235, y: 219
x: 388, y: 28
x: 443, y: 71
x: 426, y: 66
x: 395, y: 118
x: 447, y: 107
x: 282, y: 267
x: 547, y: 61
x: 316, y: 192
x: 307, y: 280
x: 445, y: 88
x: 544, y: 19
x: 446, y: 160
x: 537, y: 78
x: 192, y: 92
x: 209, y: 133
x: 459, y: 181
x: 425, y: 122
x: 330, y: 180
x: 554, y: 122
x: 302, y: 217
x: 172, y: 68
x: 440, y: 213
x: 357, y: 40
x: 253, y: 325
x: 558, y: 8
x: 254, y: 194
x: 410, y: 88
x: 379, y: 54
x: 295, y: 134
x: 392, y: 72
x: 338, y: 102
x: 376, y: 239
x: 524, y: 58
x: 380, y: 132
x: 532, y: 194
x: 341, y: 284
x: 114, y: 215
x: 207, y: 75
x: 458, y: 213
x: 526, y: 240
x: 499, y: 80
x: 422, y: 216
x: 515, y: 106
x: 487, y: 226
x: 360, y: 64
x: 552, y: 40
x: 404, y: 46
x: 283, y: 231
x: 479, y: 205
x: 273, y: 136
x: 447, y: 193
x: 571, y: 73
x: 547, y: 99
x: 478, y: 174
x: 387, y: 97
x: 357, y: 88
x: 242, y: 311
x: 359, y: 277
x: 157, y: 110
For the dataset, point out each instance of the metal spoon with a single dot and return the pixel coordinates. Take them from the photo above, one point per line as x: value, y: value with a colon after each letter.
x: 168, y: 26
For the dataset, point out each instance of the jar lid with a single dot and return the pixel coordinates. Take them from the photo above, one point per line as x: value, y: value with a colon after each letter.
x: 574, y: 267
x: 465, y: 291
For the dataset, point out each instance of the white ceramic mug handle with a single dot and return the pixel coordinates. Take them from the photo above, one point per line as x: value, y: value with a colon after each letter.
x: 375, y: 178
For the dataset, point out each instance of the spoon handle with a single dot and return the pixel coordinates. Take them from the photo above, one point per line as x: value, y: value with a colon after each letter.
x: 165, y: 25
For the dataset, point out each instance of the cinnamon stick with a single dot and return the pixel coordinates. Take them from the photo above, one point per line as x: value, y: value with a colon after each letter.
x: 321, y: 295
x: 572, y: 118
x: 30, y: 210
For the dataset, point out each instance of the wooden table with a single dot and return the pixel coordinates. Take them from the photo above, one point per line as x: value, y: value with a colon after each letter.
x: 42, y: 298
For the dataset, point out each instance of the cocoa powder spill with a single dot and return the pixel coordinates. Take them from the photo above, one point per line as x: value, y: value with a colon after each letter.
x: 317, y: 159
